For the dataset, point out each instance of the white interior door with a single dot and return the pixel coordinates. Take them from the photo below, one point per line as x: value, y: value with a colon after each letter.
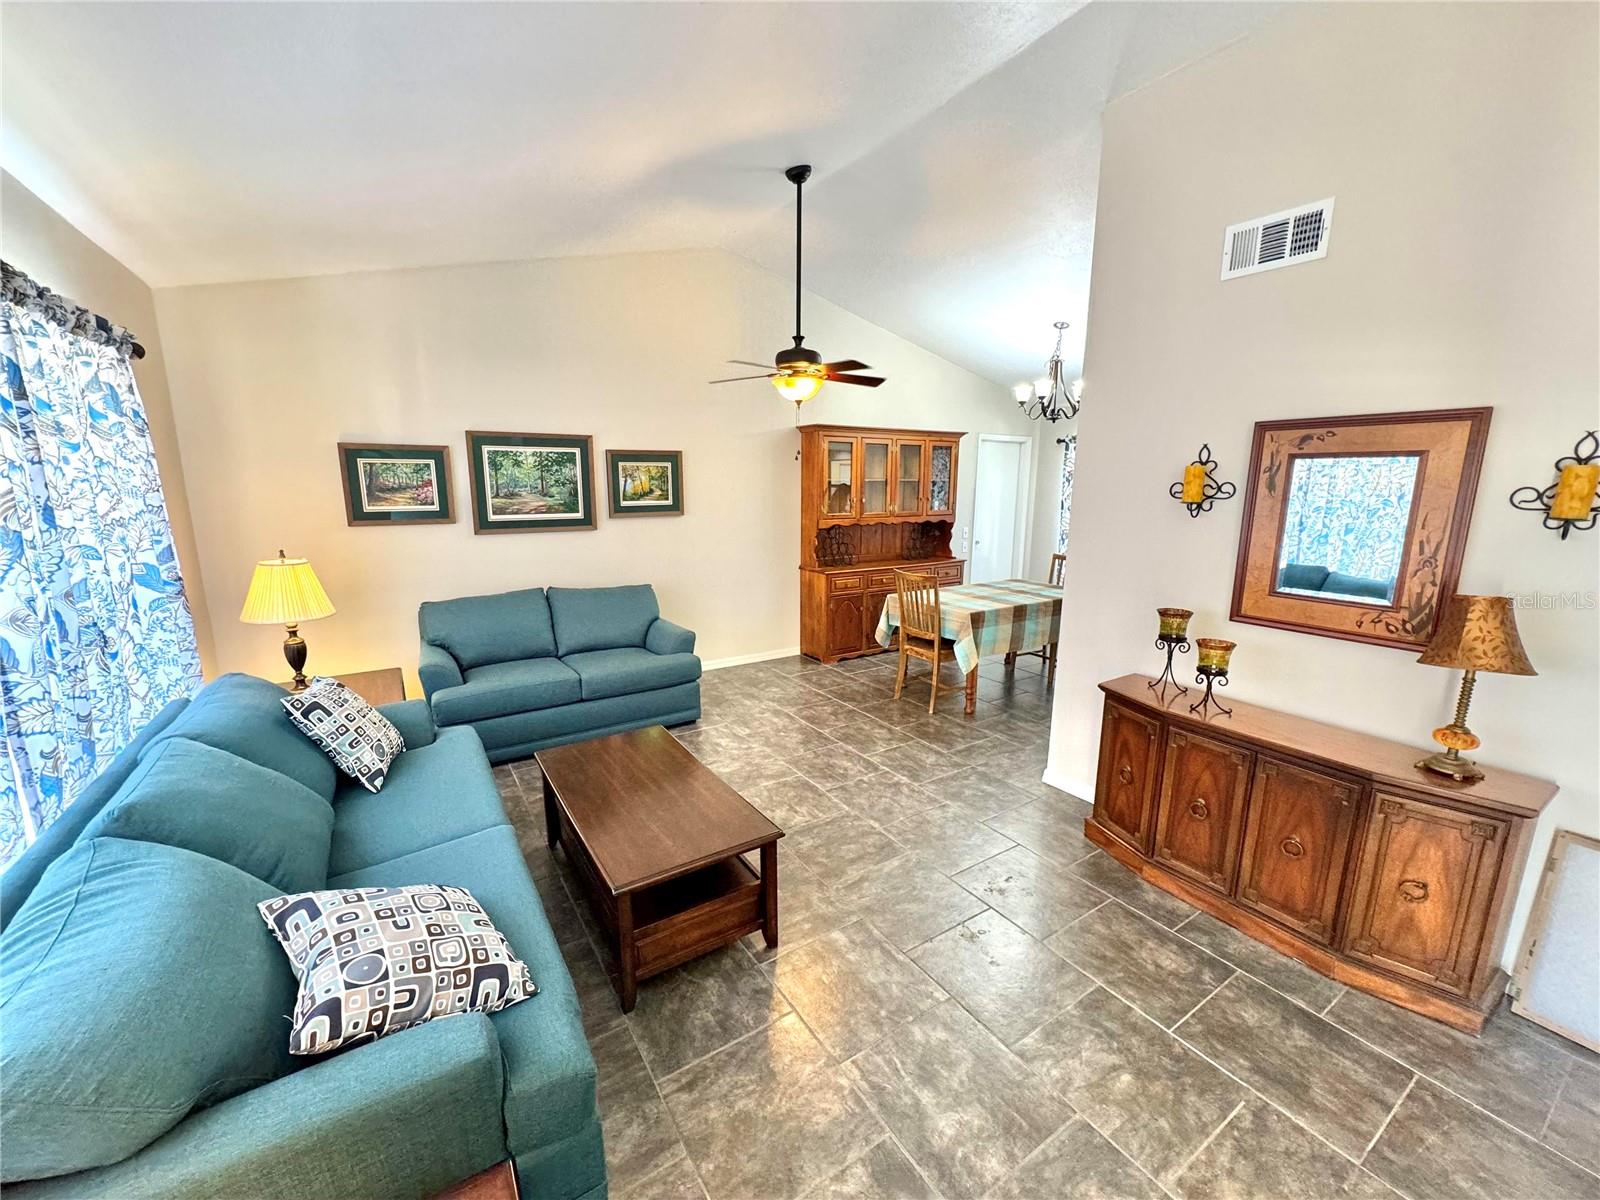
x: 999, y: 510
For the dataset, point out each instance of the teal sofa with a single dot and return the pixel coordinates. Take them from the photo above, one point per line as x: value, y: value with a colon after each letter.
x: 145, y: 889
x: 543, y: 666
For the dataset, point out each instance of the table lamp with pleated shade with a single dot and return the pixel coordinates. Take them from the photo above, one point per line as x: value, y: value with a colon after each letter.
x: 285, y: 591
x: 1476, y: 633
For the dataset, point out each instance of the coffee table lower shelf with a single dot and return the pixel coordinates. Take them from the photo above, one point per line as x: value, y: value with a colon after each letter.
x: 655, y: 928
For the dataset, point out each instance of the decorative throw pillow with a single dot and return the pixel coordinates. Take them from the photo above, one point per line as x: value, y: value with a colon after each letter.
x: 360, y: 740
x: 376, y: 960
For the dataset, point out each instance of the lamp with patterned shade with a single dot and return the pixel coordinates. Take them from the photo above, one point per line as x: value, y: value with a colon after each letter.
x: 285, y: 591
x: 1476, y: 633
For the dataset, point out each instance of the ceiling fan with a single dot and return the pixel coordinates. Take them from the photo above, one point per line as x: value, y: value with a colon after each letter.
x: 800, y: 373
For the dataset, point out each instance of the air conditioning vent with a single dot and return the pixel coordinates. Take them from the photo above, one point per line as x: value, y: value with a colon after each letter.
x: 1279, y: 240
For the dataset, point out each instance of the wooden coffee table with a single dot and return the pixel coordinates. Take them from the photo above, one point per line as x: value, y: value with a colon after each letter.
x: 656, y: 839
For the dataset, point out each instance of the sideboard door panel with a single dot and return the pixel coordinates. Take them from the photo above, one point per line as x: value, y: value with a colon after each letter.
x: 1297, y: 837
x: 1125, y: 787
x: 844, y: 623
x: 1423, y: 890
x: 1203, y: 788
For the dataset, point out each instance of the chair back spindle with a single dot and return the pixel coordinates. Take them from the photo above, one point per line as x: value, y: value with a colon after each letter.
x: 919, y: 604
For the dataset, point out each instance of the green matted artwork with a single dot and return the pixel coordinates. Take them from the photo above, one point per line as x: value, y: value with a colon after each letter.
x: 645, y: 483
x: 530, y: 482
x: 387, y: 484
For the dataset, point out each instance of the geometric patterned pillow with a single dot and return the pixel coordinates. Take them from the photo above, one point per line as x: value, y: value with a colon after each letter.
x: 377, y: 960
x: 360, y: 740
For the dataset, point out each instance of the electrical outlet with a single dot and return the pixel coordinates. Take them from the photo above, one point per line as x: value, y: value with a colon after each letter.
x: 965, y: 536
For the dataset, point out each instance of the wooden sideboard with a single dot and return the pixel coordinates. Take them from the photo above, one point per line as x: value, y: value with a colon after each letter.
x: 1329, y: 846
x: 872, y: 501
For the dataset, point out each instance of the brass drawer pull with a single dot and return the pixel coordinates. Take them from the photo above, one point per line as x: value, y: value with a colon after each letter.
x: 1198, y: 809
x: 1292, y: 847
x: 1413, y: 891
x: 1125, y: 773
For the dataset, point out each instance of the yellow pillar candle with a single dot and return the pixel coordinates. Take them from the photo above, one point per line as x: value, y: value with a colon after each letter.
x: 1574, y: 493
x: 1194, y: 483
x: 1214, y: 653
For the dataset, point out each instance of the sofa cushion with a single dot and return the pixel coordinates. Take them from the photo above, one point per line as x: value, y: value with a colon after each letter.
x: 373, y: 961
x: 500, y: 689
x: 203, y: 799
x: 550, y: 1076
x: 518, y: 736
x: 138, y: 984
x: 628, y: 669
x: 489, y: 629
x: 1306, y: 576
x: 242, y: 715
x: 23, y: 875
x: 602, y: 618
x: 433, y: 795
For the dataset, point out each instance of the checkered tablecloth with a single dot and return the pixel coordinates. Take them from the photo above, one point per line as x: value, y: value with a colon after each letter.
x: 984, y: 619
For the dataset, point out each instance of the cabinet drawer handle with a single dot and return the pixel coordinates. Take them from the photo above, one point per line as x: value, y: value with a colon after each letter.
x: 1198, y: 809
x: 1413, y: 891
x: 1125, y: 773
x: 1292, y: 847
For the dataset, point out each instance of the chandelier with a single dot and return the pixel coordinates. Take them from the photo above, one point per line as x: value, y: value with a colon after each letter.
x: 1050, y: 398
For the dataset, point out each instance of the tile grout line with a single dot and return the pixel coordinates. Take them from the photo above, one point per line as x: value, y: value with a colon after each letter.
x: 1211, y: 993
x: 1410, y: 1083
x: 1555, y: 1103
x: 1210, y: 1137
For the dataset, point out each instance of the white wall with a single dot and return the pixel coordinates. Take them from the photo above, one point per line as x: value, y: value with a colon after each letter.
x: 36, y: 239
x: 267, y: 377
x: 1461, y: 144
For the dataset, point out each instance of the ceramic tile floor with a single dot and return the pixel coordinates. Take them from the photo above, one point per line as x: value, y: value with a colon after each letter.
x: 970, y: 1001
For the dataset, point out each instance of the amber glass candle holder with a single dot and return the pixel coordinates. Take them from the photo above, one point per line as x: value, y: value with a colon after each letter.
x: 1173, y: 637
x: 1211, y: 669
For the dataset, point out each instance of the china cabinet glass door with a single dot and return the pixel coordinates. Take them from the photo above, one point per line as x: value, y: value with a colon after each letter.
x: 839, y: 486
x: 908, y: 477
x: 875, y: 476
x: 941, y: 478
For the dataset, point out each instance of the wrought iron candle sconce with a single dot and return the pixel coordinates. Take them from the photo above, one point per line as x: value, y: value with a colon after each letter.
x: 1199, y: 488
x: 1173, y: 638
x: 1212, y: 670
x: 1569, y: 502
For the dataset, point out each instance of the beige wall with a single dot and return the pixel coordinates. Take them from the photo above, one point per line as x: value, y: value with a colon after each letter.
x: 267, y: 377
x: 36, y: 239
x: 1461, y: 144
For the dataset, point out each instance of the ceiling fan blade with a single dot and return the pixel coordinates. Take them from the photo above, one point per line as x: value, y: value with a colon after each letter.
x: 848, y: 364
x: 862, y: 380
x: 742, y: 378
x: 745, y: 362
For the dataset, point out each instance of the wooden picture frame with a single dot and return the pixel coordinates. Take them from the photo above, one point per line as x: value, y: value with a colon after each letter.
x: 643, y: 468
x: 392, y: 483
x: 1448, y: 446
x: 530, y: 482
x: 1523, y: 1003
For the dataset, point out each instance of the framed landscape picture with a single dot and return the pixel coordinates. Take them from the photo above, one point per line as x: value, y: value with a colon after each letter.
x: 396, y: 485
x: 530, y: 482
x: 645, y: 483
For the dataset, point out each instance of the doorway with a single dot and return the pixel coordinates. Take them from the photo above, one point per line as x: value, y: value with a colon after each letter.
x: 1000, y: 507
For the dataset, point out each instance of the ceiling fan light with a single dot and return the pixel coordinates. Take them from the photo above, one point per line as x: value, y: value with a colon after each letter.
x: 798, y: 386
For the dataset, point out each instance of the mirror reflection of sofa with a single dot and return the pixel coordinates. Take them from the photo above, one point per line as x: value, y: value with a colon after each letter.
x: 1309, y: 577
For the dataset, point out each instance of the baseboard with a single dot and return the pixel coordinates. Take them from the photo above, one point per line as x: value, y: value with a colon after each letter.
x: 740, y: 660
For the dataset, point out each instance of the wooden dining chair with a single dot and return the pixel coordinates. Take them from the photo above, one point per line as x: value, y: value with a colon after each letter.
x: 918, y: 599
x: 1057, y: 576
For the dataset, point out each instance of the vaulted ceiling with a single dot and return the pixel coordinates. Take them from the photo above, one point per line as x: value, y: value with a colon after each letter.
x: 956, y: 145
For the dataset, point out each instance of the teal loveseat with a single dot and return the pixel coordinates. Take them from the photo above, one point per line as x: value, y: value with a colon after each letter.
x: 146, y: 889
x: 543, y: 666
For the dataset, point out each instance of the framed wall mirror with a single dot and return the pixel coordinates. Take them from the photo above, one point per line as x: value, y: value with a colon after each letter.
x: 1354, y: 527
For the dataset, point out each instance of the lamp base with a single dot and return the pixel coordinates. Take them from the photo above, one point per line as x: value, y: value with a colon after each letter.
x: 1450, y: 762
x: 294, y: 652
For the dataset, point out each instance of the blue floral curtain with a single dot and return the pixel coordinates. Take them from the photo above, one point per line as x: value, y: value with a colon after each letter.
x: 1069, y: 463
x: 1349, y: 514
x: 95, y: 630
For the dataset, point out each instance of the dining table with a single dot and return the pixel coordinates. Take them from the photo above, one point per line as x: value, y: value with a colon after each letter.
x: 1007, y: 616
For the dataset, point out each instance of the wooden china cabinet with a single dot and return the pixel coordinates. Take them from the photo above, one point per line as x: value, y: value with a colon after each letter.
x: 871, y: 501
x: 1330, y: 846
